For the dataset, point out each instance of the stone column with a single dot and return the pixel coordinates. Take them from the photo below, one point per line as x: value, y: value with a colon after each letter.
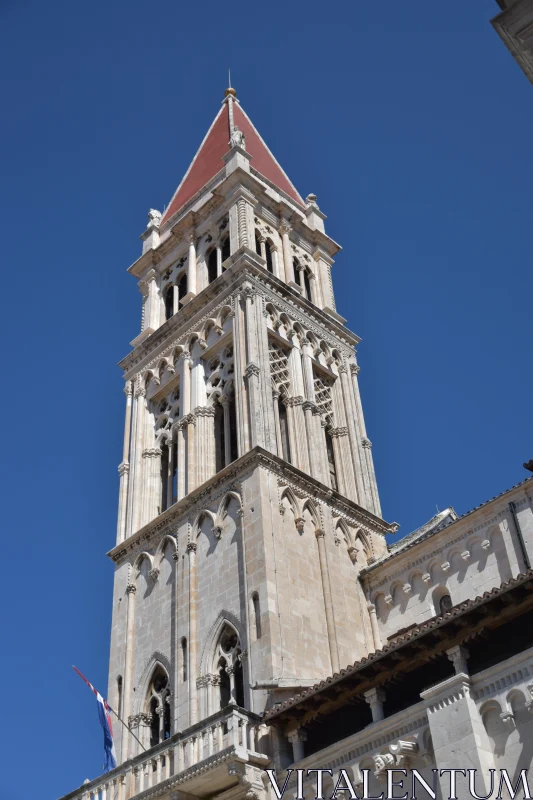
x: 262, y: 246
x: 276, y: 270
x: 285, y: 230
x: 351, y: 414
x: 170, y: 473
x: 124, y: 467
x: 375, y: 626
x: 180, y: 444
x: 457, y: 732
x: 299, y: 449
x: 224, y: 402
x: 315, y: 290
x: 323, y: 268
x: 366, y: 454
x: 191, y: 453
x: 458, y: 656
x: 136, y: 481
x: 175, y: 611
x: 277, y: 426
x: 297, y: 739
x: 192, y: 269
x: 239, y: 357
x: 375, y: 699
x: 328, y: 602
x: 128, y: 671
x: 252, y: 372
x: 342, y: 443
x: 193, y: 644
x: 152, y: 305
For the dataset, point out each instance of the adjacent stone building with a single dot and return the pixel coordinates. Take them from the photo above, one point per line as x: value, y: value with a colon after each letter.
x: 251, y: 560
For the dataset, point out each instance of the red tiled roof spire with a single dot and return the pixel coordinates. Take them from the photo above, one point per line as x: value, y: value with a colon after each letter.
x: 208, y: 161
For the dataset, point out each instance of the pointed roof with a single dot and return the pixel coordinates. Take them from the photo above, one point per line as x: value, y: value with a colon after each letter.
x: 208, y: 161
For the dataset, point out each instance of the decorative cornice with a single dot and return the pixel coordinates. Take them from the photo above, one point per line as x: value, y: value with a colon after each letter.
x: 291, y: 476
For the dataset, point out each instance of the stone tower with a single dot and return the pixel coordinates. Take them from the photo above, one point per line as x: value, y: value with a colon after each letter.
x: 248, y: 501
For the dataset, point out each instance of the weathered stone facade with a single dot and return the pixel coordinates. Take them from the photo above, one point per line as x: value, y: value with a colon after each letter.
x: 251, y: 562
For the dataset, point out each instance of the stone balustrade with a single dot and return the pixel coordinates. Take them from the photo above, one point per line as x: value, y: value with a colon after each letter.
x: 185, y: 759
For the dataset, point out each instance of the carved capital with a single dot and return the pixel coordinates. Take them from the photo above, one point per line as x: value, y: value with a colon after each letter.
x: 191, y: 547
x: 131, y: 588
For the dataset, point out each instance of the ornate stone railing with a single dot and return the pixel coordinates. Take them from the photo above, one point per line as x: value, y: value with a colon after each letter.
x: 231, y: 735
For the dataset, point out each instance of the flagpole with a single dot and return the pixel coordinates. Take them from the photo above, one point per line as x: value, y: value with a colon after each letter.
x: 114, y: 712
x: 128, y: 728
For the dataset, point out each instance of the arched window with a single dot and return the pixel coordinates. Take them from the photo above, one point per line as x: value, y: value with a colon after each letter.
x: 169, y: 302
x: 164, y: 478
x: 184, y: 659
x: 257, y: 614
x: 225, y: 249
x: 257, y: 242
x: 284, y: 430
x: 445, y: 604
x: 331, y: 460
x: 158, y: 707
x: 212, y: 260
x: 182, y: 287
x: 229, y: 668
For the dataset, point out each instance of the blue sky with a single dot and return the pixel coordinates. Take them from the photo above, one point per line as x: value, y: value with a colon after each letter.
x: 412, y: 124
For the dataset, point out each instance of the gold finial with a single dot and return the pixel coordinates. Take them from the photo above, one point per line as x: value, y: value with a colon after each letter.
x: 230, y: 91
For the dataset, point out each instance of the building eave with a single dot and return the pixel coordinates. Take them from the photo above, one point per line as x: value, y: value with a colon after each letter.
x: 405, y: 544
x: 423, y: 642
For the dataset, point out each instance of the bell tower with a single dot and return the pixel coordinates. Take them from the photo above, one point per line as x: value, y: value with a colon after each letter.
x: 248, y: 500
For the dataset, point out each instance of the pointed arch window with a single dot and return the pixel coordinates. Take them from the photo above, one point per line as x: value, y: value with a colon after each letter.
x: 331, y: 459
x: 229, y: 668
x: 158, y: 706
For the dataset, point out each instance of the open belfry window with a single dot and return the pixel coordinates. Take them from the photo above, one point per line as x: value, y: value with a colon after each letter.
x: 212, y: 265
x: 229, y: 668
x: 158, y: 706
x: 169, y: 301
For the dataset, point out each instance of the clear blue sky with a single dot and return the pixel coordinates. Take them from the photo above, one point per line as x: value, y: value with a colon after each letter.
x: 412, y: 124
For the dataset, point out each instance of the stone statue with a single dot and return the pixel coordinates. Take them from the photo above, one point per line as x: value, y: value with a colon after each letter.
x: 154, y: 218
x: 238, y: 139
